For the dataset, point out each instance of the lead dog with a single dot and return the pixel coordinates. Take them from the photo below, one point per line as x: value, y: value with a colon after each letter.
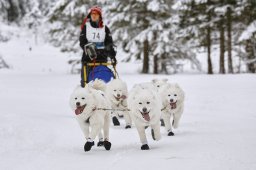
x: 145, y: 106
x: 86, y: 103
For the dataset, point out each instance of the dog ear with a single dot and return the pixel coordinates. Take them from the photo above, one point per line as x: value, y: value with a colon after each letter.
x: 182, y: 93
x: 180, y: 89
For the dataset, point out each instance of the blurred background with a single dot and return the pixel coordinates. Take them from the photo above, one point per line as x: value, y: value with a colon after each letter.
x: 154, y: 36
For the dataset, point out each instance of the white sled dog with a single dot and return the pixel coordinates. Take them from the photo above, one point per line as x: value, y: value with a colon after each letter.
x: 173, y: 104
x: 158, y: 83
x: 86, y: 103
x: 145, y: 106
x: 98, y: 84
x: 117, y: 94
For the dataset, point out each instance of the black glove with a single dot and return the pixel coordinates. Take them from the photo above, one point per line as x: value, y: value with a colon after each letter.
x: 90, y: 50
x: 111, y: 51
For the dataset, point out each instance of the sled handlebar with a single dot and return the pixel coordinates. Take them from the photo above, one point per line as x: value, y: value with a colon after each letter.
x: 97, y: 64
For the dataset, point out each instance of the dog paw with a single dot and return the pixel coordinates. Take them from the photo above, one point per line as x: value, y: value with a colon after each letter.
x: 170, y: 134
x: 128, y: 127
x: 145, y: 147
x: 107, y: 145
x: 100, y: 143
x: 88, y: 146
x: 162, y: 122
x: 115, y: 121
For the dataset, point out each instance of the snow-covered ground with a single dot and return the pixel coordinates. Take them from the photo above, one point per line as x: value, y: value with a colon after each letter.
x: 39, y: 131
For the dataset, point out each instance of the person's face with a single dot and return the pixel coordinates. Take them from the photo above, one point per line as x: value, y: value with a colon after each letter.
x: 95, y: 16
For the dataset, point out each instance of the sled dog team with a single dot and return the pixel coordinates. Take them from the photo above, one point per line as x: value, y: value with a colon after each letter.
x: 150, y: 104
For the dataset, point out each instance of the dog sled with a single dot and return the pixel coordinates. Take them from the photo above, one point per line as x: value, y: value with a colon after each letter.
x: 102, y: 71
x: 95, y: 69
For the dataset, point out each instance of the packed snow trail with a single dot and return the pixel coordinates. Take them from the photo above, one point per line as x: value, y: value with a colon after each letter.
x: 38, y: 129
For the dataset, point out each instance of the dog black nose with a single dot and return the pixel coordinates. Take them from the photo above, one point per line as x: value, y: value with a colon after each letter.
x: 144, y: 109
x: 171, y: 100
x: 118, y: 95
x: 78, y: 103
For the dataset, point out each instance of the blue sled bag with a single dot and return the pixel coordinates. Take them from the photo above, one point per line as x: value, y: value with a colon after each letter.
x: 101, y: 72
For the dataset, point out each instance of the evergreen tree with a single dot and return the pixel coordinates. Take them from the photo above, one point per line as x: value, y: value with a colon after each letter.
x: 146, y: 31
x: 196, y: 23
x: 219, y: 17
x: 34, y: 17
x: 13, y: 10
x: 129, y: 20
x: 248, y: 36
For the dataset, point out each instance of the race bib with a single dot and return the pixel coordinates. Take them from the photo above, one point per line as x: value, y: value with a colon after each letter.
x: 95, y: 35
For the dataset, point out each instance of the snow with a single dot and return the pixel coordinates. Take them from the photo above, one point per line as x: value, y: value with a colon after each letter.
x: 38, y: 129
x: 7, y: 31
x: 179, y: 4
x: 248, y: 32
x: 154, y: 6
x: 24, y: 55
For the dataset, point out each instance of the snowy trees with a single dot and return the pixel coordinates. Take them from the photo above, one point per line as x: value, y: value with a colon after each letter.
x: 130, y: 21
x: 248, y: 35
x: 224, y: 18
x: 146, y: 31
x: 13, y: 10
x: 65, y: 18
x: 196, y: 23
x: 229, y: 36
x: 162, y: 34
x: 34, y: 17
x: 228, y: 12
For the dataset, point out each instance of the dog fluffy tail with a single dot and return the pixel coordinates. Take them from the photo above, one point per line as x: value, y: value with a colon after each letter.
x: 98, y: 84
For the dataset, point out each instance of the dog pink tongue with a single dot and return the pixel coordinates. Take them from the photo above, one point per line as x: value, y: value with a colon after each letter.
x: 78, y: 111
x: 123, y: 97
x: 146, y: 116
x: 173, y: 105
